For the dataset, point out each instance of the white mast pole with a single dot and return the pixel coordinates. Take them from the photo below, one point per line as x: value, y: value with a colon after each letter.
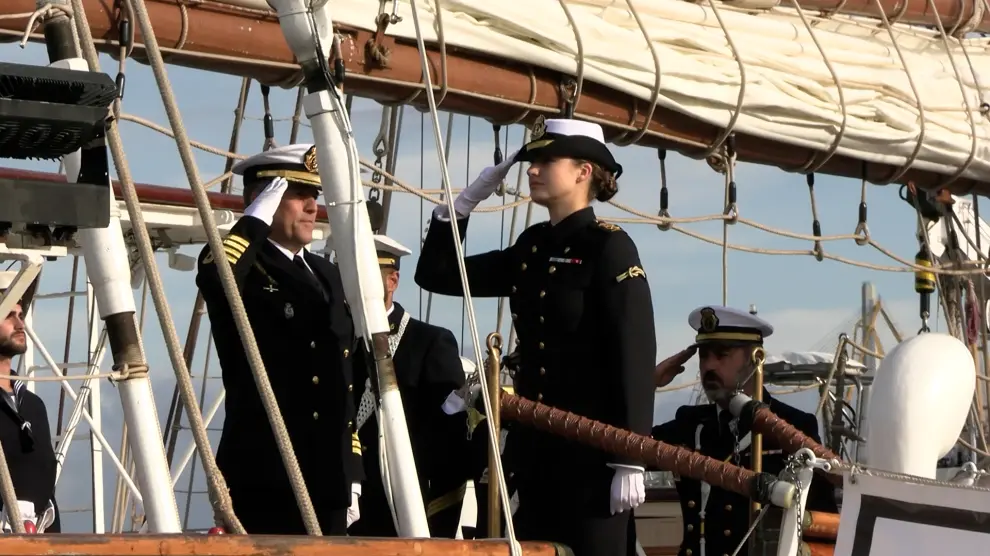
x: 107, y: 268
x: 308, y: 29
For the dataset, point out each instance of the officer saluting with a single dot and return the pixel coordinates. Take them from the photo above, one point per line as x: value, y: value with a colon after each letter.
x: 716, y: 521
x: 295, y: 302
x: 581, y: 304
x: 428, y: 367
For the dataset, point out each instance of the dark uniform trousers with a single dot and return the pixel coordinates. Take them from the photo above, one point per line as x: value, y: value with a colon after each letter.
x: 428, y: 368
x: 305, y: 334
x: 581, y: 305
x: 29, y: 451
x: 727, y: 514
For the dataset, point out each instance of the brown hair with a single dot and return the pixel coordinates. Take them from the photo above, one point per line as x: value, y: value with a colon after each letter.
x: 250, y: 188
x: 603, y: 183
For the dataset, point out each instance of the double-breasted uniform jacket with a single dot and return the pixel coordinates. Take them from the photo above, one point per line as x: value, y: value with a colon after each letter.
x: 427, y: 368
x: 581, y: 307
x: 27, y: 443
x: 726, y: 514
x: 305, y: 334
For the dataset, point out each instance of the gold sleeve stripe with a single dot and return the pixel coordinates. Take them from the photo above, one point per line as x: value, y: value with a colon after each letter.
x: 236, y: 240
x: 355, y: 444
x: 232, y: 254
x: 447, y: 500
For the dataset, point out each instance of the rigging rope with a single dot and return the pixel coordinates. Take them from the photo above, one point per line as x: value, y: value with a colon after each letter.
x: 493, y: 437
x: 861, y: 235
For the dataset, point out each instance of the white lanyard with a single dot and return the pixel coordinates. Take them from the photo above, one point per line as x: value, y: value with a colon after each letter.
x: 706, y: 488
x: 367, y: 405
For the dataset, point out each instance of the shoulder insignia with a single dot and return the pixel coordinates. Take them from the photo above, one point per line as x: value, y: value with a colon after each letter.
x: 208, y: 259
x: 709, y: 320
x: 608, y: 226
x: 309, y: 161
x: 234, y: 247
x: 633, y: 272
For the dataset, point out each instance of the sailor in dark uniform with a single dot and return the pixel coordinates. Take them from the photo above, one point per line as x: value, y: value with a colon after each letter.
x: 581, y: 305
x: 427, y: 367
x: 295, y: 303
x: 24, y: 429
x: 716, y: 521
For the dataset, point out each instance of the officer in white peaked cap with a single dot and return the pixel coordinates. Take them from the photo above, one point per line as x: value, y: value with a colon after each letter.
x: 295, y: 302
x: 580, y: 303
x: 725, y: 341
x: 428, y: 368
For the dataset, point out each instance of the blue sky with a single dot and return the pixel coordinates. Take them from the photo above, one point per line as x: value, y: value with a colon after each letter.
x: 807, y: 301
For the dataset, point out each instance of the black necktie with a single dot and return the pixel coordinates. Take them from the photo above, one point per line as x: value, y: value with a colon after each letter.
x: 299, y: 262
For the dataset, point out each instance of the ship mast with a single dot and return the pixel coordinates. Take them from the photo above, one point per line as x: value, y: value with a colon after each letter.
x: 63, y: 112
x: 309, y: 33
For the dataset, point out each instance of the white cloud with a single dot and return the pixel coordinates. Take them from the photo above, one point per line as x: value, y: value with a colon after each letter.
x: 804, y: 299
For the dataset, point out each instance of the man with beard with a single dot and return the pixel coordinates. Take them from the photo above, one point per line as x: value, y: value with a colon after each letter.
x: 24, y: 428
x: 428, y: 368
x: 725, y: 341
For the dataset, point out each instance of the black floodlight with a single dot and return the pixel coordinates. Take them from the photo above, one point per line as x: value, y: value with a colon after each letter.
x: 47, y: 113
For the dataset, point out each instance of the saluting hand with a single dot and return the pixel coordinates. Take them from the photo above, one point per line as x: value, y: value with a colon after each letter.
x: 266, y: 202
x: 480, y: 189
x: 672, y: 366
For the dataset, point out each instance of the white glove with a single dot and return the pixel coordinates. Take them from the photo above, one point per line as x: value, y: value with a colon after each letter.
x: 354, y: 511
x: 628, y: 488
x: 460, y: 400
x: 28, y: 516
x: 480, y: 189
x: 266, y: 203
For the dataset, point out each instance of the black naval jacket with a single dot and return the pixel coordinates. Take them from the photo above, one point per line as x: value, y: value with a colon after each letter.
x: 428, y: 368
x: 29, y: 450
x: 581, y: 306
x: 726, y: 513
x: 305, y: 335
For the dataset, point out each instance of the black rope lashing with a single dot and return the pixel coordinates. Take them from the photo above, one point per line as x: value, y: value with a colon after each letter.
x: 664, y: 195
x: 268, y: 120
x: 862, y: 229
x: 124, y: 39
x: 816, y: 225
x: 731, y: 208
x: 496, y: 128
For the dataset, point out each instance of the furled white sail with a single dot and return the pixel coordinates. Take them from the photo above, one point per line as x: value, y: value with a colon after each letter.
x: 790, y: 92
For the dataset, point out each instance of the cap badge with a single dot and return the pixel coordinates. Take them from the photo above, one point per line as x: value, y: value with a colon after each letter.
x: 309, y: 161
x: 539, y: 128
x: 709, y: 320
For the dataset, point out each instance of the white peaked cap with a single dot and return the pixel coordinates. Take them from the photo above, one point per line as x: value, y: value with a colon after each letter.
x: 389, y: 251
x: 575, y: 127
x: 289, y: 154
x: 390, y: 246
x: 726, y: 324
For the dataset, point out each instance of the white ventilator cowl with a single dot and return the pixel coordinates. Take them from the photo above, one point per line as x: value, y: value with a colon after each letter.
x: 919, y: 404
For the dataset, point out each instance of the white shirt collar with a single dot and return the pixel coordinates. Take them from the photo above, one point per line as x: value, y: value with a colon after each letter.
x: 291, y: 256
